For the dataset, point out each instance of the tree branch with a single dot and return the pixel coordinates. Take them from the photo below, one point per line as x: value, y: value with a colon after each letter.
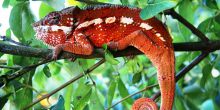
x: 47, y: 53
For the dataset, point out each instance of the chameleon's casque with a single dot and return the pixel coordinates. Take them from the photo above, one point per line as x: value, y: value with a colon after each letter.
x: 81, y: 30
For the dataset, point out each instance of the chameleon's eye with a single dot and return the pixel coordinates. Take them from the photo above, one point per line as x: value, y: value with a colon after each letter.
x: 53, y: 18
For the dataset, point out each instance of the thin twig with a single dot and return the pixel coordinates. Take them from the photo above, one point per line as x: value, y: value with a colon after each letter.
x: 193, y: 29
x: 186, y: 69
x: 30, y: 87
x: 196, y: 61
x: 66, y: 84
x: 10, y: 67
x: 123, y: 99
x: 4, y: 38
x: 90, y: 77
x: 22, y: 71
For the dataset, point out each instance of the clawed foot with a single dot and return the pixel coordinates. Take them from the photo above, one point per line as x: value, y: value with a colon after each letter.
x: 57, y: 50
x: 113, y: 45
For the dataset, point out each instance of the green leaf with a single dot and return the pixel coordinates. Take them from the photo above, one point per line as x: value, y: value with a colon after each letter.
x: 56, y: 4
x: 105, y: 46
x: 44, y: 9
x: 192, y: 90
x: 24, y: 96
x: 211, y: 4
x: 208, y: 105
x: 46, y: 71
x: 82, y: 90
x: 124, y: 2
x: 217, y: 18
x: 13, y: 2
x: 27, y: 21
x: 110, y: 58
x: 39, y: 77
x: 95, y: 102
x: 59, y: 105
x: 111, y: 92
x: 3, y: 100
x: 188, y: 14
x: 5, y: 3
x: 178, y: 101
x: 190, y: 102
x: 153, y: 9
x: 123, y: 91
x: 206, y: 71
x: 180, y: 60
x: 21, y: 20
x: 68, y: 96
x: 15, y: 20
x: 136, y: 78
x: 205, y: 26
x: 83, y: 101
x: 179, y: 104
x: 56, y: 68
x: 8, y: 33
x: 218, y: 3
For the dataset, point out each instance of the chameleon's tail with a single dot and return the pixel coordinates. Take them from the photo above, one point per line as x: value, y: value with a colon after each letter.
x: 162, y: 58
x: 144, y: 104
x: 161, y: 54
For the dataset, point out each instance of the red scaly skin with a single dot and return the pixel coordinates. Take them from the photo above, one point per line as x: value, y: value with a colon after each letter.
x: 80, y: 31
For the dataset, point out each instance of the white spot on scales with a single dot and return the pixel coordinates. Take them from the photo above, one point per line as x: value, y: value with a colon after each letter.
x: 160, y: 37
x: 146, y: 26
x: 126, y: 20
x: 110, y: 20
x: 88, y: 23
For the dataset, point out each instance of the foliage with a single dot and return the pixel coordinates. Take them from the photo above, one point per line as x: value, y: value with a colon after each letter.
x: 115, y: 79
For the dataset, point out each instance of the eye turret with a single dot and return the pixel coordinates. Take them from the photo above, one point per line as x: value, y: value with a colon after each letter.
x: 53, y: 18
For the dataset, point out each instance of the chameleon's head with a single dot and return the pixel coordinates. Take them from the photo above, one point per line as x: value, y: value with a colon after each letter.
x: 54, y: 28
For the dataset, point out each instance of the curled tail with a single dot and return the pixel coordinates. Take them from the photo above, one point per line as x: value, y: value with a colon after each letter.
x: 144, y: 104
x: 164, y: 63
x: 162, y: 58
x: 158, y: 48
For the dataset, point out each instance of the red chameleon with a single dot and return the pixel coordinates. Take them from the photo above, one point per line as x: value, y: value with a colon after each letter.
x: 79, y: 31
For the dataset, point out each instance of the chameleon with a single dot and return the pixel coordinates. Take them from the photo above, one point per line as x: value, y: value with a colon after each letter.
x: 80, y: 31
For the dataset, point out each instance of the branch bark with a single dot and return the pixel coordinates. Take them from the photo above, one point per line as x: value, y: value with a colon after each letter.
x: 47, y: 53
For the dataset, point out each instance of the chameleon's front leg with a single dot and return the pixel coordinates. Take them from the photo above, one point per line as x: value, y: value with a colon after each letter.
x: 163, y: 58
x: 78, y: 44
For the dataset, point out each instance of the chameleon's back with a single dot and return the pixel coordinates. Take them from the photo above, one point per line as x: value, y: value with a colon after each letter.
x: 115, y: 22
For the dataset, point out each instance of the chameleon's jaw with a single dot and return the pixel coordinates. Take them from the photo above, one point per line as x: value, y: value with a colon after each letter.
x: 52, y: 35
x: 54, y: 28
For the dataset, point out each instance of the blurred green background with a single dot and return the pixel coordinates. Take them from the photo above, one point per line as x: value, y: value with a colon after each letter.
x: 198, y: 90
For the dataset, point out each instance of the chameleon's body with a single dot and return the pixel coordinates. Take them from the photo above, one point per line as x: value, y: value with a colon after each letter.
x: 80, y: 31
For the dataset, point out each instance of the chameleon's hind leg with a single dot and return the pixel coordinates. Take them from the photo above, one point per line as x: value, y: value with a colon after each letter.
x: 78, y: 44
x: 162, y: 58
